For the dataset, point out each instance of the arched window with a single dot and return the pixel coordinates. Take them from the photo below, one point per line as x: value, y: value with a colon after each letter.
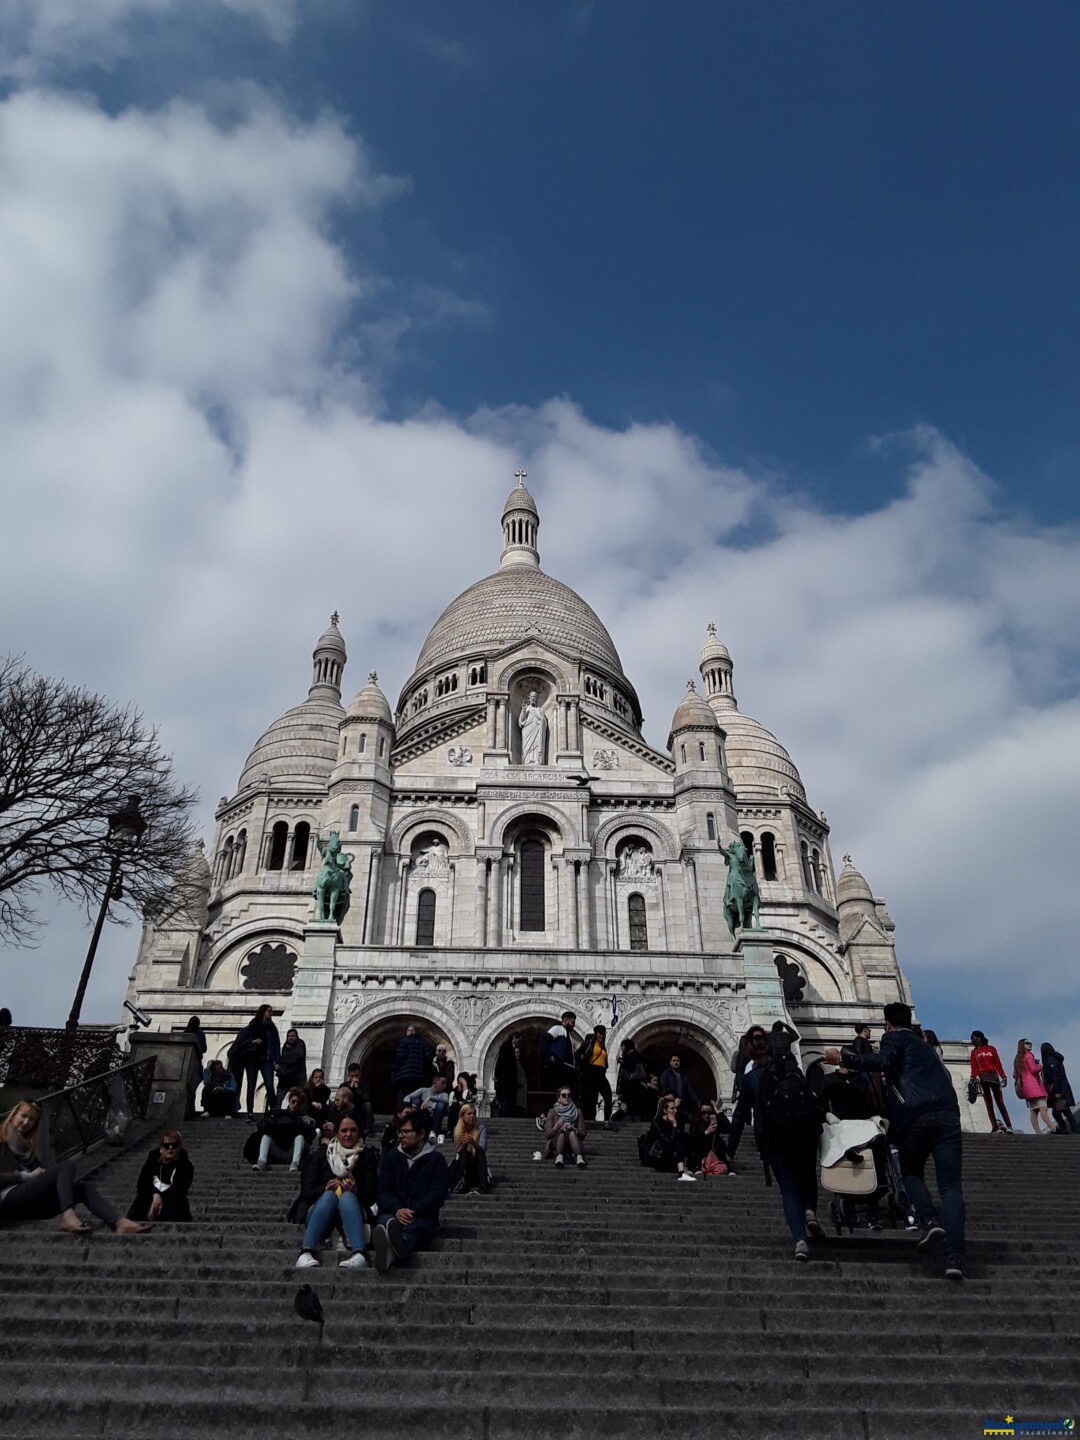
x: 639, y: 928
x: 425, y: 919
x: 361, y: 745
x: 531, y: 859
x: 382, y: 745
x: 701, y: 750
x: 238, y: 854
x: 748, y: 840
x: 710, y: 826
x: 301, y: 836
x: 279, y: 838
x: 354, y: 819
x: 225, y: 860
x: 768, y: 855
x: 815, y: 869
x: 804, y: 856
x: 683, y: 750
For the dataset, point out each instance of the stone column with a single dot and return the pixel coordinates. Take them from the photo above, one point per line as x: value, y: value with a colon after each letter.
x: 560, y: 726
x: 313, y: 988
x: 371, y: 908
x: 177, y: 1069
x: 453, y: 893
x: 764, y: 992
x: 693, y: 907
x: 492, y: 711
x: 573, y: 739
x: 480, y: 929
x: 403, y: 887
x: 584, y: 897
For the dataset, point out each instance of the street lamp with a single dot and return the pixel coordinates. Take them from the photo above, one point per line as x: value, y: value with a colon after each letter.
x: 126, y: 828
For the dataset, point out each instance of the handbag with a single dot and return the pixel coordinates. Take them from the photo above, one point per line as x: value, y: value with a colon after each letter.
x: 1018, y: 1086
x: 972, y: 1091
x: 712, y: 1164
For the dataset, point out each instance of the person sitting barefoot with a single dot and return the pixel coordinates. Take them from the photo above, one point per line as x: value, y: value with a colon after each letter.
x: 32, y: 1191
x: 564, y: 1130
x: 338, y: 1183
x: 161, y: 1191
x: 469, y: 1168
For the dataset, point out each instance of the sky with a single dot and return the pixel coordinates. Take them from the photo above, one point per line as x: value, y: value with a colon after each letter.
x: 775, y: 303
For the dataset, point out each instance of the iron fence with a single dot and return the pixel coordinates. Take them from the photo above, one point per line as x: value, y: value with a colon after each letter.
x: 39, y: 1058
x: 99, y: 1108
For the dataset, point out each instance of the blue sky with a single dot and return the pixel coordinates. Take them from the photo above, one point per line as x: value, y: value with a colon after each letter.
x: 776, y: 302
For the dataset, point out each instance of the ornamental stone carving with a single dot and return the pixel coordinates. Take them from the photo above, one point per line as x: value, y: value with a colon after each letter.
x: 635, y: 865
x: 473, y: 1010
x: 459, y: 755
x: 433, y: 861
x: 606, y: 759
x: 532, y: 723
x: 346, y: 1007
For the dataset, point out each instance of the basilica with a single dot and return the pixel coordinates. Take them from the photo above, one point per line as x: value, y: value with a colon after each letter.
x: 514, y: 847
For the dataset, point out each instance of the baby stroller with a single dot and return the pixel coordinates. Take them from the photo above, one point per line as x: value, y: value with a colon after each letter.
x: 855, y: 1172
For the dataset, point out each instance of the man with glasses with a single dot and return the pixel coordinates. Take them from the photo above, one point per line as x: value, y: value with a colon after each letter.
x: 557, y: 1048
x: 413, y: 1186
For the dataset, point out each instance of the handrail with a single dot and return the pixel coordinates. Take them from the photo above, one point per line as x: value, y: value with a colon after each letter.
x: 98, y: 1108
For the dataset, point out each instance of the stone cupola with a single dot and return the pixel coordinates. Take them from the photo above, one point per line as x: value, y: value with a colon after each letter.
x: 520, y: 523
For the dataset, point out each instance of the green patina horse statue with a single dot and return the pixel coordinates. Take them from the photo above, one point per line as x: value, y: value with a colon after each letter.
x: 333, y: 881
x: 741, y: 894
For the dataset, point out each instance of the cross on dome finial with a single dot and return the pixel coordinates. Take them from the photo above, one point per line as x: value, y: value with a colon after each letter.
x: 334, y: 618
x: 373, y: 677
x: 711, y: 628
x: 520, y: 476
x: 848, y: 861
x: 691, y: 688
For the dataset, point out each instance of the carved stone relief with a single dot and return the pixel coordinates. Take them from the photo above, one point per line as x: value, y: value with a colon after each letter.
x: 635, y: 865
x: 433, y: 860
x: 459, y: 755
x: 606, y: 759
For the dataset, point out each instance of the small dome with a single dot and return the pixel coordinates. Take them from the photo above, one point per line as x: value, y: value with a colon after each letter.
x: 757, y: 762
x: 713, y: 649
x: 693, y: 712
x: 370, y: 703
x: 851, y: 885
x: 520, y: 499
x: 331, y: 638
x: 301, y: 745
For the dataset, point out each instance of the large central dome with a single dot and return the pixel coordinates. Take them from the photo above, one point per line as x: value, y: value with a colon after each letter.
x: 513, y: 603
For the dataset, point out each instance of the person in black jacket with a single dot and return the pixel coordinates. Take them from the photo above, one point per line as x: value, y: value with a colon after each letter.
x: 254, y: 1053
x: 284, y: 1134
x: 161, y: 1191
x: 413, y: 1059
x: 317, y: 1096
x: 291, y: 1067
x: 365, y: 1114
x: 924, y: 1121
x: 675, y: 1081
x: 663, y: 1146
x: 413, y: 1186
x: 511, y: 1084
x: 338, y: 1183
x: 1058, y: 1089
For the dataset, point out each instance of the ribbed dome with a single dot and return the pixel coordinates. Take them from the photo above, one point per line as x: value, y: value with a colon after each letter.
x: 520, y: 499
x: 757, y: 762
x: 852, y: 885
x: 370, y: 703
x: 302, y: 745
x: 505, y: 608
x: 714, y: 648
x: 693, y: 710
x: 332, y: 638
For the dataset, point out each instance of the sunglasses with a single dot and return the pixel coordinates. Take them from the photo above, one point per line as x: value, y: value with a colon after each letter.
x: 170, y: 1145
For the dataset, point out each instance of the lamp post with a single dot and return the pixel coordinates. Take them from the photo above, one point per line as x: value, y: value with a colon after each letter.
x: 126, y: 827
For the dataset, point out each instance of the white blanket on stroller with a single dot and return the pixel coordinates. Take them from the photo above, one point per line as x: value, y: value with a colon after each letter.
x: 840, y: 1136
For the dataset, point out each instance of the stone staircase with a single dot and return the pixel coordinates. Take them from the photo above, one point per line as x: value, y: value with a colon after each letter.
x: 610, y: 1302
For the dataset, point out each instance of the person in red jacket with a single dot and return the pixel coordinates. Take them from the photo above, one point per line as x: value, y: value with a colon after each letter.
x: 989, y: 1074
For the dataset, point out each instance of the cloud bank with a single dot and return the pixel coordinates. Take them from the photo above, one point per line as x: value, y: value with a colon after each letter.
x: 199, y: 466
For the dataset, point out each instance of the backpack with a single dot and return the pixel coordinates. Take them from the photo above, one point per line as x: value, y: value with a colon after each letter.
x: 789, y: 1108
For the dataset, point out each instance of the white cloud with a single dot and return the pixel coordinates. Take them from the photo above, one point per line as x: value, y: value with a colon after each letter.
x: 39, y: 38
x: 200, y: 477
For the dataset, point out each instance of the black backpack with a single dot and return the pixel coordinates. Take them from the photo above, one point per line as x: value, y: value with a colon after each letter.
x: 789, y: 1108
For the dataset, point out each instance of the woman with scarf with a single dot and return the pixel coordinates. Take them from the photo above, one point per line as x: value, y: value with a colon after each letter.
x: 338, y: 1183
x: 469, y: 1167
x: 31, y: 1191
x: 564, y: 1129
x: 464, y: 1093
x: 161, y: 1191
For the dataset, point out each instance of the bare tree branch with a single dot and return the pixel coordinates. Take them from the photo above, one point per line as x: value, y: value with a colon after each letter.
x: 68, y: 760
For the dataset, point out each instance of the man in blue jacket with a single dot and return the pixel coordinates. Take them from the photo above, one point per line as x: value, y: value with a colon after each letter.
x: 412, y: 1188
x: 924, y: 1120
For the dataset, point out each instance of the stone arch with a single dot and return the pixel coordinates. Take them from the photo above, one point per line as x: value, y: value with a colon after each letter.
x: 613, y: 830
x: 234, y: 947
x: 543, y: 665
x: 523, y: 810
x: 431, y: 819
x: 379, y: 1019
x: 529, y: 1015
x: 674, y: 1027
x: 795, y: 948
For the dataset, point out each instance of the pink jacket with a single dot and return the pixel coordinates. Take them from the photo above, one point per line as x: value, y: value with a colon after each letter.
x: 1029, y: 1072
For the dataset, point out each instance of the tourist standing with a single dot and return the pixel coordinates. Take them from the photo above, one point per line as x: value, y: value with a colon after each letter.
x: 989, y: 1075
x: 413, y: 1060
x: 1058, y: 1090
x: 557, y: 1049
x: 291, y: 1065
x: 511, y: 1082
x: 254, y: 1053
x: 1027, y: 1076
x: 592, y: 1061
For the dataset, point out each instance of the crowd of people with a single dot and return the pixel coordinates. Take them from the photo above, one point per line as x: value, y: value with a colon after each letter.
x: 381, y: 1197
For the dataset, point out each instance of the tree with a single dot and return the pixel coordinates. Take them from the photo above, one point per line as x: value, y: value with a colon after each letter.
x: 68, y: 760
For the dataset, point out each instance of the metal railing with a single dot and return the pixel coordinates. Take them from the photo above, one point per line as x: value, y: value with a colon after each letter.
x: 44, y: 1058
x: 99, y: 1108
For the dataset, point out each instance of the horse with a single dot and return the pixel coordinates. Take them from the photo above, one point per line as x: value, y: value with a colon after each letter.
x: 333, y: 881
x: 741, y: 895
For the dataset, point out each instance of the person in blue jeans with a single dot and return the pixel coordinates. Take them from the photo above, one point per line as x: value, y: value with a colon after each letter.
x: 413, y: 1185
x: 337, y: 1185
x: 924, y: 1121
x: 788, y: 1150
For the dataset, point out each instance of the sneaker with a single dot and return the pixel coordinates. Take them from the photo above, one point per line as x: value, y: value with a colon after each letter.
x: 558, y: 1159
x: 581, y: 1162
x: 687, y: 1176
x: 932, y: 1235
x: 953, y: 1268
x: 440, y: 1139
x: 384, y: 1252
x: 294, y: 1169
x: 537, y: 1155
x: 354, y: 1262
x: 813, y: 1226
x: 307, y: 1261
x: 802, y: 1251
x: 260, y: 1165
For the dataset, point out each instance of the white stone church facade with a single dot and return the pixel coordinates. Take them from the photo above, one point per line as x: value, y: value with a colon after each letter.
x: 518, y: 849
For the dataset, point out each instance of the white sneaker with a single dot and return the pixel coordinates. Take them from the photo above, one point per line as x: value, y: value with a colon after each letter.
x: 259, y: 1165
x: 687, y: 1176
x: 537, y: 1155
x: 440, y: 1139
x: 354, y: 1262
x: 306, y: 1261
x: 558, y: 1159
x: 294, y: 1169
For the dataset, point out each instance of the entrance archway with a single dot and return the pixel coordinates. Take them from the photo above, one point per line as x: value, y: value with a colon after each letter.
x: 373, y: 1049
x: 656, y: 1043
x: 541, y: 1096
